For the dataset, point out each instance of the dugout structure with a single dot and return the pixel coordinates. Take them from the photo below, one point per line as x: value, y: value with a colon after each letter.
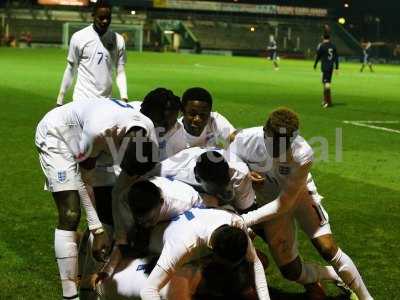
x: 132, y: 33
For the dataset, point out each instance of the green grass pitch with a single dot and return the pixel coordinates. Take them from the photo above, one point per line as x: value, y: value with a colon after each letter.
x: 362, y: 192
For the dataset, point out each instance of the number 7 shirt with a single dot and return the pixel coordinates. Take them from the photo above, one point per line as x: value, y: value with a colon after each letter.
x: 95, y: 56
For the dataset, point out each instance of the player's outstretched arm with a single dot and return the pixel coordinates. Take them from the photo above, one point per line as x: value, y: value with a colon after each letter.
x: 259, y: 273
x: 121, y: 82
x: 66, y: 82
x: 158, y: 278
x: 285, y: 200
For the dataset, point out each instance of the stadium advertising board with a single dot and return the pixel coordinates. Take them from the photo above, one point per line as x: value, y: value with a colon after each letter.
x: 240, y: 8
x: 64, y: 2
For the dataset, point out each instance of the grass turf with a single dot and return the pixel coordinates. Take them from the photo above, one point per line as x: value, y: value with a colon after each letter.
x: 361, y: 191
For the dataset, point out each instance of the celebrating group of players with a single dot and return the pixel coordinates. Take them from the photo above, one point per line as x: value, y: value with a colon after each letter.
x: 173, y: 204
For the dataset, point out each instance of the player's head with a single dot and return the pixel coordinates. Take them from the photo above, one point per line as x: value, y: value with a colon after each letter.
x: 212, y: 172
x: 229, y: 245
x: 162, y: 107
x: 141, y: 154
x: 102, y: 15
x: 196, y: 108
x: 224, y: 282
x: 326, y: 36
x: 145, y: 201
x: 280, y: 129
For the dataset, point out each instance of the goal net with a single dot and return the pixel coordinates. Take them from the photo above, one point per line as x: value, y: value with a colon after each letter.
x: 132, y: 33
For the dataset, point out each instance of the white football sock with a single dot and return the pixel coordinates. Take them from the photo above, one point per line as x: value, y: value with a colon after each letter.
x: 311, y: 273
x: 66, y: 254
x: 346, y: 269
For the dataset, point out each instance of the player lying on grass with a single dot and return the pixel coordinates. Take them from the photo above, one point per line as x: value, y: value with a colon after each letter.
x: 201, y: 279
x: 68, y: 139
x: 208, y: 171
x: 283, y: 160
x: 194, y: 234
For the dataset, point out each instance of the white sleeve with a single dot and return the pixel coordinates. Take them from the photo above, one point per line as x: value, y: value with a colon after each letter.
x: 73, y: 51
x: 87, y: 203
x: 157, y: 279
x: 242, y: 184
x: 259, y: 273
x: 264, y: 213
x: 121, y: 82
x: 224, y: 127
x: 66, y: 82
x: 121, y: 59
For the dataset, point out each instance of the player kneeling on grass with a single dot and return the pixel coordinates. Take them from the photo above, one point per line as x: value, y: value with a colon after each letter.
x: 202, y: 279
x: 283, y: 160
x: 213, y: 172
x: 69, y: 138
x: 197, y: 232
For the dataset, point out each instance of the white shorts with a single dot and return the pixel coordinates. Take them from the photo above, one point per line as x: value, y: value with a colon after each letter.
x: 129, y: 279
x: 57, y: 161
x: 281, y: 232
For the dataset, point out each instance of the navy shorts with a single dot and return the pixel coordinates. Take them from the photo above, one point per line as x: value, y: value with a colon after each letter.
x: 327, y: 76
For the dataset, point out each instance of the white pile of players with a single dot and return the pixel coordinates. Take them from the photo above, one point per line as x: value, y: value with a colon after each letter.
x: 173, y: 204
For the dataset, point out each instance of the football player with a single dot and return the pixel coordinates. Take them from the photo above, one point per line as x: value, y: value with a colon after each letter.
x: 69, y: 138
x: 282, y: 160
x: 273, y: 52
x: 94, y: 52
x: 366, y: 59
x: 328, y: 55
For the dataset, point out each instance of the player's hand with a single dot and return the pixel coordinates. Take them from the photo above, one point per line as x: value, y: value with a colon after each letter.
x: 238, y: 221
x: 101, y: 246
x: 97, y: 279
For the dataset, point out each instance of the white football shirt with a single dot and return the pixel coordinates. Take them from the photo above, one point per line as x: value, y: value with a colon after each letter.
x: 178, y: 197
x: 215, y: 134
x: 249, y: 145
x: 95, y: 56
x: 181, y: 167
x: 188, y: 236
x: 79, y: 124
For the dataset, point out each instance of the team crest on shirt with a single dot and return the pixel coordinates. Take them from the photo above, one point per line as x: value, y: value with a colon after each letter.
x: 62, y: 176
x: 284, y: 170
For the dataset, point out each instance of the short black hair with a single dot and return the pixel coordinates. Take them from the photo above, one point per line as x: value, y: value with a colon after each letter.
x: 101, y: 4
x: 212, y: 166
x: 158, y: 101
x: 196, y: 94
x: 230, y: 243
x: 141, y: 155
x: 143, y: 196
x: 223, y: 282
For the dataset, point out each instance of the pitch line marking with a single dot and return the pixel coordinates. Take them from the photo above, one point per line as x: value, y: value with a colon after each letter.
x: 365, y: 124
